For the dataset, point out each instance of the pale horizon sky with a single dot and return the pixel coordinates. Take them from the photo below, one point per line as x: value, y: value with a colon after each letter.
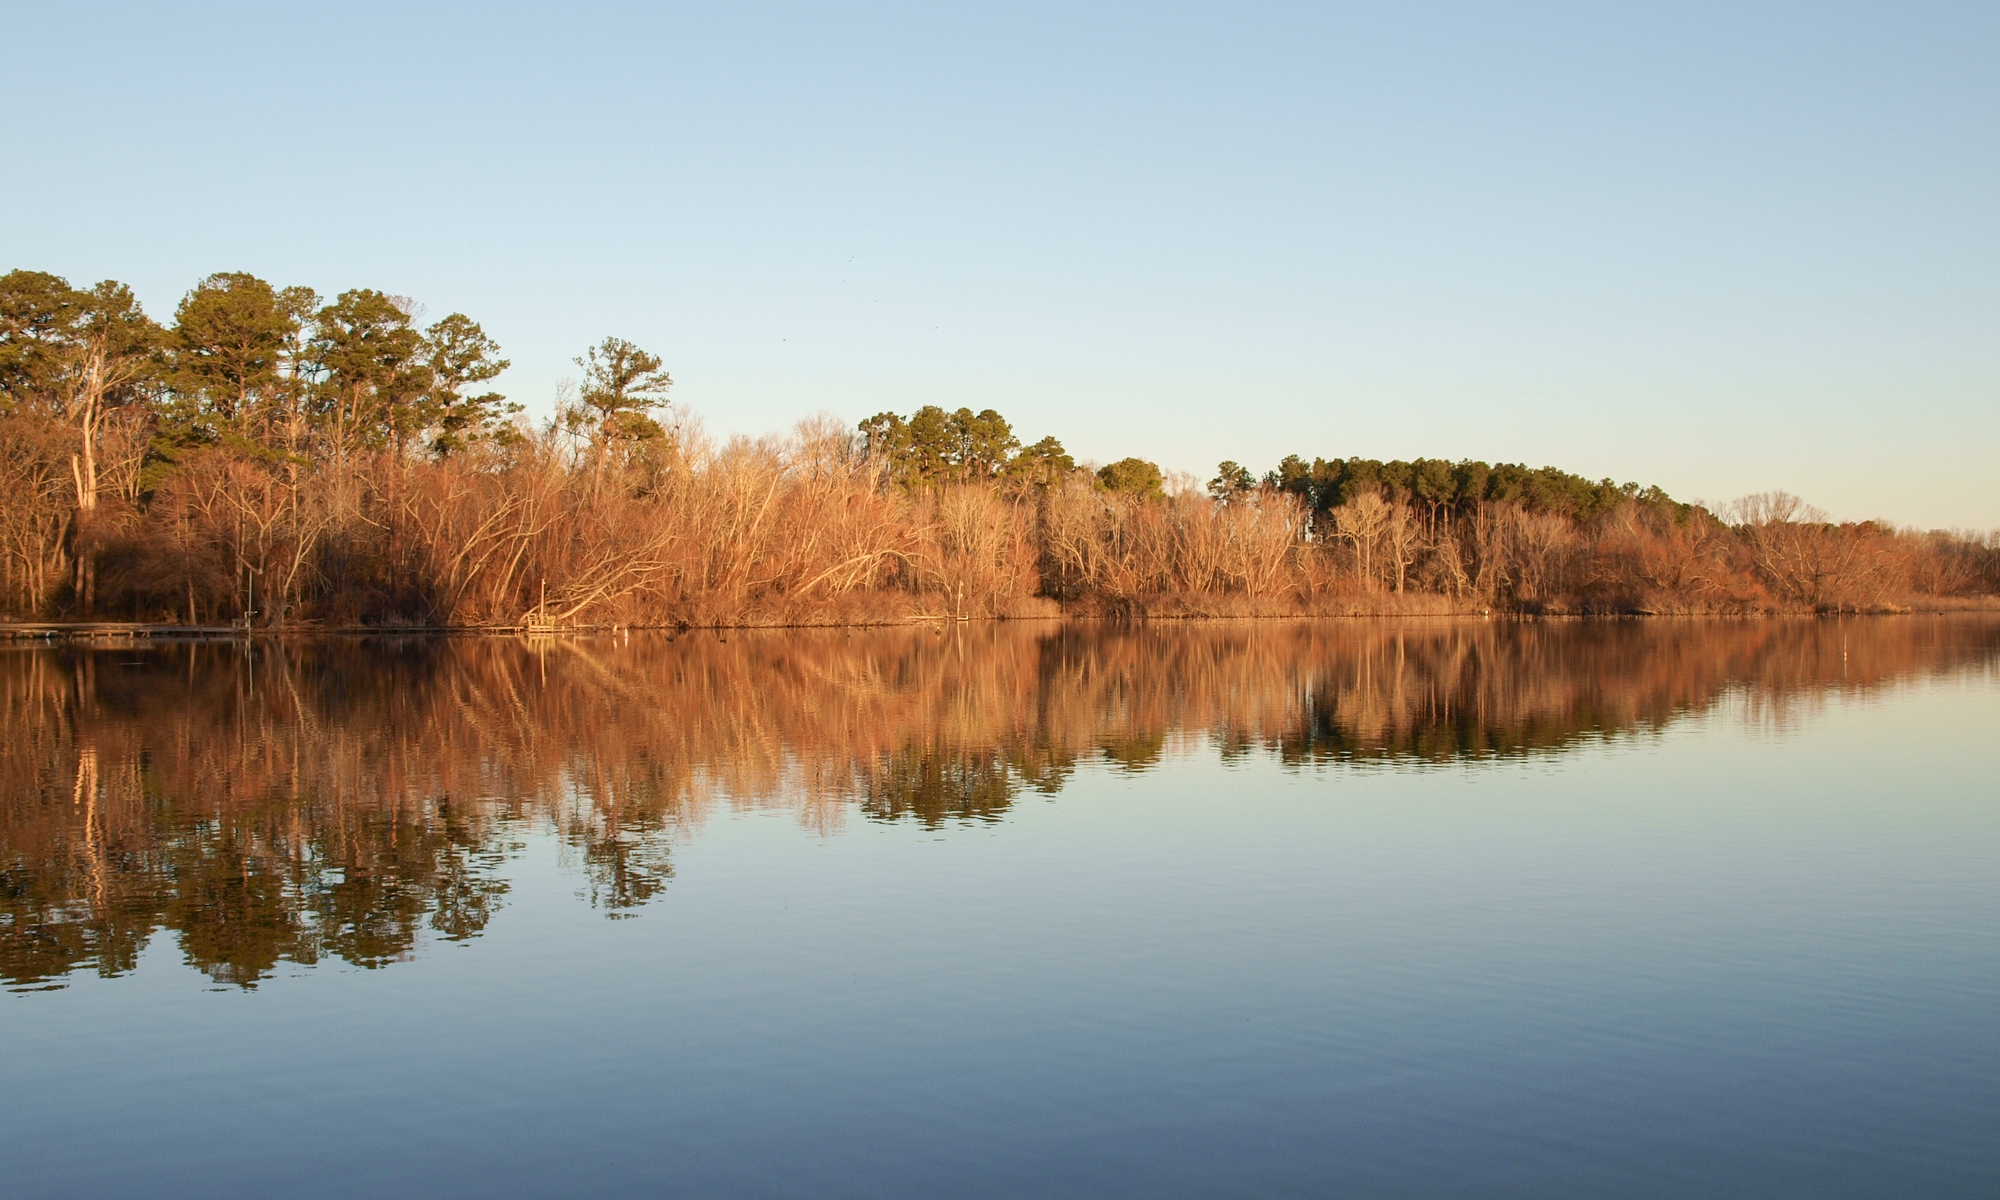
x: 1718, y: 248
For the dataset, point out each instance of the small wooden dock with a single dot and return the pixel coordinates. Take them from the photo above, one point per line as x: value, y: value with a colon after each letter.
x: 116, y: 631
x: 139, y: 631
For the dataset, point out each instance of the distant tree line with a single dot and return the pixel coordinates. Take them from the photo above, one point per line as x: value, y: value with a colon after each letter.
x: 276, y: 458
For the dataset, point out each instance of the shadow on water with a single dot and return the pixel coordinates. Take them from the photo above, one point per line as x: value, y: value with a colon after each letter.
x: 348, y: 799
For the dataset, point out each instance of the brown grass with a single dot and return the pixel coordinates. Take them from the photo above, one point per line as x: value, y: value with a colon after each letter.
x: 805, y: 530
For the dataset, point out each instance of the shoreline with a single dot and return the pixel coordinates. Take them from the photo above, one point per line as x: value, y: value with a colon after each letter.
x: 115, y: 632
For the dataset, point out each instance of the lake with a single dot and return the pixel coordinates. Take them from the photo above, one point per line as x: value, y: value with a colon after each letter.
x: 1358, y: 908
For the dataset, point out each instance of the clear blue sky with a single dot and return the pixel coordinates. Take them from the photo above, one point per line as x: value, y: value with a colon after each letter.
x: 1721, y: 249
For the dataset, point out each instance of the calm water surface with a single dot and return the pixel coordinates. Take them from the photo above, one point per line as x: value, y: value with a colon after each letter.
x: 1359, y: 909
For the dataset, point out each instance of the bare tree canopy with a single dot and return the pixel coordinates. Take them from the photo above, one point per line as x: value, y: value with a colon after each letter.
x: 271, y: 458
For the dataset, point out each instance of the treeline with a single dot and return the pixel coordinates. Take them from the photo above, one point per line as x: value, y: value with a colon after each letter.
x: 277, y: 458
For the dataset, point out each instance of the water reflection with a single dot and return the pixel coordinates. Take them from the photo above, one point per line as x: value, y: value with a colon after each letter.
x: 345, y: 800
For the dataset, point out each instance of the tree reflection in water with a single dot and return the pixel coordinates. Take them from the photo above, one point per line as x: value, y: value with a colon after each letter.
x: 345, y: 799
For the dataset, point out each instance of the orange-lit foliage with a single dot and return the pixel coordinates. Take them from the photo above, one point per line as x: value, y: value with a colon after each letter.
x: 803, y: 531
x: 274, y: 460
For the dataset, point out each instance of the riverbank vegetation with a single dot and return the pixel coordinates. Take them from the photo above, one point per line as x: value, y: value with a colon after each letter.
x: 275, y: 457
